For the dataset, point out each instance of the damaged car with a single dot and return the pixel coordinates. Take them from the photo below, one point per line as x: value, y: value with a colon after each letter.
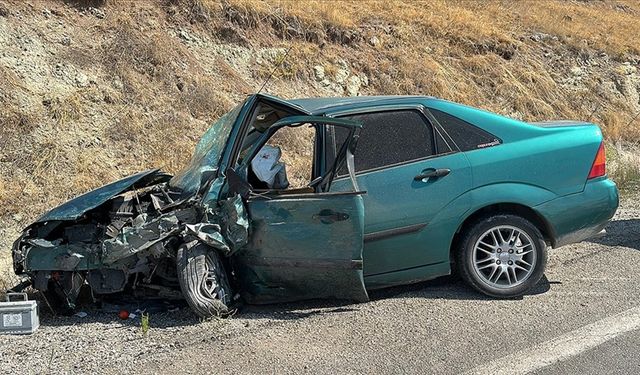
x: 395, y: 190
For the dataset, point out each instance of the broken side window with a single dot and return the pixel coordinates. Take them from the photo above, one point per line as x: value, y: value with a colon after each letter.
x: 207, y: 153
x: 287, y: 156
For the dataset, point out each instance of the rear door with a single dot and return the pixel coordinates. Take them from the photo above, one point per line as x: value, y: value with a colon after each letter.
x: 305, y: 245
x: 411, y: 179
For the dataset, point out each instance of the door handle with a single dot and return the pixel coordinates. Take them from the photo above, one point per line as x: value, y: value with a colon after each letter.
x: 328, y: 216
x: 428, y: 173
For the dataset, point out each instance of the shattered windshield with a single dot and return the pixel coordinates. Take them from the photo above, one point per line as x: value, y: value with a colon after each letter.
x: 207, y: 154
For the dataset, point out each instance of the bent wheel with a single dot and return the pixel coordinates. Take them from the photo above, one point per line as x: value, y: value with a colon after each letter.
x: 203, y: 280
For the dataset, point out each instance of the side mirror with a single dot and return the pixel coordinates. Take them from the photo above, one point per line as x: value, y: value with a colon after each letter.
x: 237, y: 184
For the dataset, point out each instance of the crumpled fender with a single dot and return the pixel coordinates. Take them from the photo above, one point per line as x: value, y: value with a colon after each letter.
x: 226, y: 228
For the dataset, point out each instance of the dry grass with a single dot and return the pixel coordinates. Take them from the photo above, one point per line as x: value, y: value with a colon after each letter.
x: 13, y: 118
x: 7, y: 280
x: 64, y: 110
x: 604, y: 25
x: 152, y: 102
x: 463, y: 51
x: 623, y: 164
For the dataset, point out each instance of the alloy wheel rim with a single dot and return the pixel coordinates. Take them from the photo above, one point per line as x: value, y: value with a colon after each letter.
x: 504, y: 257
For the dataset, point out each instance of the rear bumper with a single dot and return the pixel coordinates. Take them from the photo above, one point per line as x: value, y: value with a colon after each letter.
x: 579, y: 216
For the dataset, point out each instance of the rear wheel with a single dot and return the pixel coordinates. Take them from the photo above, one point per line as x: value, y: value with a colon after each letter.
x: 502, y: 256
x: 203, y: 280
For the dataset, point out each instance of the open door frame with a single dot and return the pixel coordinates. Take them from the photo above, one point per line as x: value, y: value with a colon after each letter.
x: 309, y: 245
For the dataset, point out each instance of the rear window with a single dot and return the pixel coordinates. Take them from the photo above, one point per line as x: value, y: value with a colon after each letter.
x: 466, y: 136
x: 389, y: 138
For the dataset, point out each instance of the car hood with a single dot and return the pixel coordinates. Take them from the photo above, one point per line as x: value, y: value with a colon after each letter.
x: 76, y: 207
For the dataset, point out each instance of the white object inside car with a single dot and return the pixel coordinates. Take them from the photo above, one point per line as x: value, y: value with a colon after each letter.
x: 269, y: 169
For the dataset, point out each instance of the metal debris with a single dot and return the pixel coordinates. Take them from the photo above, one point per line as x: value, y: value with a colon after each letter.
x: 127, y: 240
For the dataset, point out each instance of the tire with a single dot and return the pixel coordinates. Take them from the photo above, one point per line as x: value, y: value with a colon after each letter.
x: 508, y: 246
x: 203, y: 280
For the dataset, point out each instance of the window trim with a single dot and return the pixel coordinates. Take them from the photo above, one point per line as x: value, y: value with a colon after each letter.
x: 422, y: 111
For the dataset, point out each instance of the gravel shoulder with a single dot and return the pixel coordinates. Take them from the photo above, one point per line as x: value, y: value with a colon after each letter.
x: 440, y: 326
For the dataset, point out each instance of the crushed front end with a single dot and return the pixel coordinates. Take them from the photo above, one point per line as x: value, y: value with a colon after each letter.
x: 124, y: 240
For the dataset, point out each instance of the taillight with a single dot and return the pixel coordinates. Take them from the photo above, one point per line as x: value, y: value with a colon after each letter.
x: 599, y: 167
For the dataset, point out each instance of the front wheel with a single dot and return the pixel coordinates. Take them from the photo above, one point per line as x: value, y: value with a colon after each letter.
x: 203, y: 280
x: 502, y: 256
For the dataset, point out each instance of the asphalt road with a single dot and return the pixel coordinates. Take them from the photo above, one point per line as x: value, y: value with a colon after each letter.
x: 617, y: 356
x: 582, y: 318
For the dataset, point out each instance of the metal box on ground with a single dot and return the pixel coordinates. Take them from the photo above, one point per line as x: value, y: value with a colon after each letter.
x: 18, y: 317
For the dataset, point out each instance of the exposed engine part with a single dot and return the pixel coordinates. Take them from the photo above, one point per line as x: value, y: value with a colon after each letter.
x: 63, y: 289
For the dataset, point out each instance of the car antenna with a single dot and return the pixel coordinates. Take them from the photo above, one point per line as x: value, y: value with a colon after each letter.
x: 274, y: 69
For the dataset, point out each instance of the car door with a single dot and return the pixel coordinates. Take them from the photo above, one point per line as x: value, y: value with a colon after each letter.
x: 304, y: 245
x: 412, y: 176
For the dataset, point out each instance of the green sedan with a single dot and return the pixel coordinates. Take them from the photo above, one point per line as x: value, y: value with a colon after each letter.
x: 380, y: 191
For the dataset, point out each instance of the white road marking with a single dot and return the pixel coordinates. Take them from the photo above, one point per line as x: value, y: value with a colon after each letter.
x: 563, y: 347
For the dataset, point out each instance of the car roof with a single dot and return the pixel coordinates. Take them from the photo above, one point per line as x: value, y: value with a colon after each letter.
x: 507, y: 129
x: 330, y: 104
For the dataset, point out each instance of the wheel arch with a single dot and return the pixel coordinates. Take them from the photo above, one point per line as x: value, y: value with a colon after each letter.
x: 511, y: 208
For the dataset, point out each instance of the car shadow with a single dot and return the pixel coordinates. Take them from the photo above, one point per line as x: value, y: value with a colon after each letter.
x: 296, y: 310
x: 624, y: 233
x: 449, y: 288
x: 443, y: 288
x: 110, y: 321
x: 162, y: 315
